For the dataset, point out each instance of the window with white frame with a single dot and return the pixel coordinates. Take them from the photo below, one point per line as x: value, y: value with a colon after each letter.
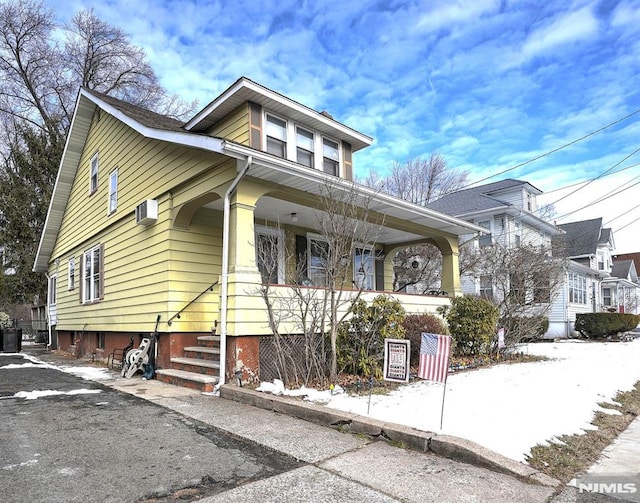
x: 364, y: 268
x: 304, y: 147
x: 517, y: 233
x: 270, y: 254
x: 318, y: 250
x: 113, y: 191
x: 486, y: 287
x: 276, y: 136
x: 485, y: 238
x: 607, y: 297
x: 71, y: 283
x: 53, y: 289
x: 93, y: 174
x: 92, y: 274
x: 577, y: 288
x: 330, y: 156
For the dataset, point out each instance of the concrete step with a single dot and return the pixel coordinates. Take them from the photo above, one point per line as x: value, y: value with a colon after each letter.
x: 192, y: 380
x: 202, y: 353
x: 209, y: 341
x: 197, y: 365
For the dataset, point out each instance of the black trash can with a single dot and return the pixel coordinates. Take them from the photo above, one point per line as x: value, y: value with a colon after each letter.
x: 12, y: 340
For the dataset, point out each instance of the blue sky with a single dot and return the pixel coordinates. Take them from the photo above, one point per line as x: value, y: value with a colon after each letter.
x: 488, y: 84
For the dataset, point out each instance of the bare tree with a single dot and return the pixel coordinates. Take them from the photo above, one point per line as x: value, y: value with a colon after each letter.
x: 325, y: 285
x: 419, y: 181
x: 522, y: 281
x: 417, y: 269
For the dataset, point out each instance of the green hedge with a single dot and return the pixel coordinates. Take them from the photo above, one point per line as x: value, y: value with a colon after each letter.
x: 603, y: 324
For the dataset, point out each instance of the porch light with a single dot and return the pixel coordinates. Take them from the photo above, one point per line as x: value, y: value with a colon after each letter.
x: 294, y: 217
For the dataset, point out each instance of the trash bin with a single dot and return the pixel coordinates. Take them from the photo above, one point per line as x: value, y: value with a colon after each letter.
x: 12, y: 340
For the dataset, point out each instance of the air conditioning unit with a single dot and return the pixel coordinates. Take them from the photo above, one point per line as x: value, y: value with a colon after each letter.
x: 147, y: 212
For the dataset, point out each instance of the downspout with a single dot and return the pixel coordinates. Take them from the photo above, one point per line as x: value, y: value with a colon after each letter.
x: 224, y: 286
x: 47, y: 313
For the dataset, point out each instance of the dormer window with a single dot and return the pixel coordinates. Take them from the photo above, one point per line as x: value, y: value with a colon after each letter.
x: 304, y: 147
x: 330, y: 156
x: 276, y: 136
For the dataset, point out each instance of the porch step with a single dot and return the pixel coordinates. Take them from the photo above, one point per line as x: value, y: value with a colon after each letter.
x: 192, y: 380
x: 197, y: 365
x: 202, y: 353
x: 209, y: 341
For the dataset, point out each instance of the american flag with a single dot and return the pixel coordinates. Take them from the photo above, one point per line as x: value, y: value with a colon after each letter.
x: 434, y: 357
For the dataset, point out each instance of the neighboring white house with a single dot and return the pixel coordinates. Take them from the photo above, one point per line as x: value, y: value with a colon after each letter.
x: 621, y: 292
x: 507, y: 210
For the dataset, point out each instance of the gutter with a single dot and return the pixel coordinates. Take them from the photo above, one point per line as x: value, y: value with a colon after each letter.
x: 224, y: 286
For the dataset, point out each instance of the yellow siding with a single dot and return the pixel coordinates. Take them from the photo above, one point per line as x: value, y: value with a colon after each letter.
x: 234, y: 127
x: 148, y: 270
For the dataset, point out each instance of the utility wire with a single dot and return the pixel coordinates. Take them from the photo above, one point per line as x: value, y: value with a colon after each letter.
x: 584, y: 181
x: 590, y: 181
x: 623, y: 214
x: 556, y: 149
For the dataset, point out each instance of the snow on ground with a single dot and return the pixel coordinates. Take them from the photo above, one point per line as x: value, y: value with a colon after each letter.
x: 510, y: 408
x: 89, y: 373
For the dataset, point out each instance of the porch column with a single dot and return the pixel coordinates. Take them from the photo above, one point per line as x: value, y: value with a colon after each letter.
x: 451, y: 274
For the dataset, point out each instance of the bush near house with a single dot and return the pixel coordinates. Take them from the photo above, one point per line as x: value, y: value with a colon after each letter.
x: 524, y: 328
x: 5, y: 320
x: 415, y: 324
x: 472, y: 323
x: 594, y: 325
x: 360, y: 343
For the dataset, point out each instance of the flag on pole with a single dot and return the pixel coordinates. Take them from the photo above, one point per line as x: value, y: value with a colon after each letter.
x: 434, y: 357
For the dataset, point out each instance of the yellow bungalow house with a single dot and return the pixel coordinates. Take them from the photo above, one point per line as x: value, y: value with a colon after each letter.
x: 156, y: 220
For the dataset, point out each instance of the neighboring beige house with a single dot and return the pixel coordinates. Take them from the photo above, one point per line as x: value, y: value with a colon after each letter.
x: 155, y: 219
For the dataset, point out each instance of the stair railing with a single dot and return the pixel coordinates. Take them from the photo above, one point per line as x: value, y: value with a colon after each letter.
x: 177, y: 315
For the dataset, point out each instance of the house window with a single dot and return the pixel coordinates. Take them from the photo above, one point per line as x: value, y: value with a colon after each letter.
x: 270, y: 254
x: 53, y: 289
x: 113, y: 191
x: 276, y: 136
x: 318, y: 250
x: 92, y: 275
x: 517, y: 287
x: 606, y: 297
x: 517, y: 233
x: 304, y: 147
x: 330, y: 156
x: 93, y: 175
x: 364, y: 268
x: 577, y: 288
x: 72, y: 273
x: 529, y: 202
x: 485, y: 239
x: 541, y: 288
x: 100, y: 340
x: 486, y: 287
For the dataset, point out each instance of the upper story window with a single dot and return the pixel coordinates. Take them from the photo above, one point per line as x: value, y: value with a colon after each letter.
x: 330, y: 156
x: 485, y: 239
x: 93, y: 175
x: 288, y: 140
x: 113, y: 191
x: 276, y: 136
x: 304, y: 147
x: 517, y: 233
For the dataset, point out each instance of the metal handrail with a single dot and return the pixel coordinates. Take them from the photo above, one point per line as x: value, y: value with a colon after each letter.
x: 177, y: 315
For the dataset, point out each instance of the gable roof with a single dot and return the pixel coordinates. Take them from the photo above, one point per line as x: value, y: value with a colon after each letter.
x: 484, y: 200
x: 245, y: 89
x: 624, y: 269
x: 266, y: 167
x: 630, y: 256
x: 582, y: 238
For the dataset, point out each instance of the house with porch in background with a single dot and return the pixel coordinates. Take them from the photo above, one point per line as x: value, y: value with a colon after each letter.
x: 156, y: 223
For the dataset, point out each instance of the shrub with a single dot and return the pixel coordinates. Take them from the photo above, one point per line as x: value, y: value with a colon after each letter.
x: 360, y: 343
x: 415, y: 324
x: 472, y: 323
x: 524, y: 328
x: 604, y: 324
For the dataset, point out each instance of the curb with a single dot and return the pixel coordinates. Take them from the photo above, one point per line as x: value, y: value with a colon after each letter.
x: 454, y: 448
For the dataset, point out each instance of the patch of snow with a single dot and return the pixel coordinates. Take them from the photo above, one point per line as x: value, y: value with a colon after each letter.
x: 33, y: 395
x: 512, y: 407
x: 31, y: 462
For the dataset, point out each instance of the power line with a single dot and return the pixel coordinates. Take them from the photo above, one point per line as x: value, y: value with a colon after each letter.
x: 555, y: 149
x: 623, y: 214
x: 584, y: 181
x: 589, y: 182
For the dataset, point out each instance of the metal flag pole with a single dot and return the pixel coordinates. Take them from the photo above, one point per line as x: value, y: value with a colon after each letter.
x: 444, y: 392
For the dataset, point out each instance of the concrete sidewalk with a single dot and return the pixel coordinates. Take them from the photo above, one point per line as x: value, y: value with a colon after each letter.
x: 355, y: 458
